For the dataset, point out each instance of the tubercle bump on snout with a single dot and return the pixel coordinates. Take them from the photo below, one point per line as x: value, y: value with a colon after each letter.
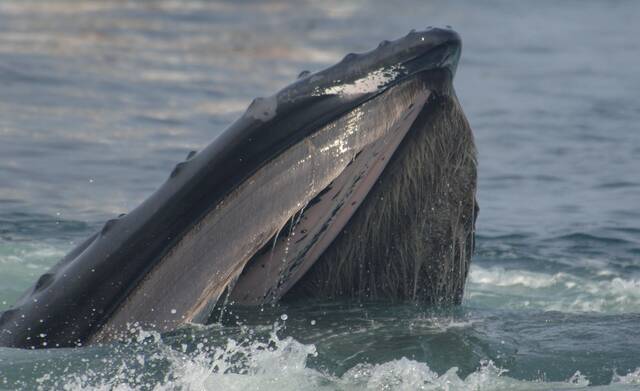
x: 180, y: 166
x: 108, y: 226
x: 176, y: 170
x: 44, y: 281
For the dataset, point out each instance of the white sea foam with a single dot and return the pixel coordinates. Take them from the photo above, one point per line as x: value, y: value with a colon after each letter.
x: 630, y: 378
x: 29, y: 254
x: 439, y: 323
x: 21, y: 263
x: 501, y: 277
x: 553, y: 292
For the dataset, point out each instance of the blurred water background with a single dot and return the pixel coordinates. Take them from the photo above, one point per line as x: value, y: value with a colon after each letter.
x: 99, y: 99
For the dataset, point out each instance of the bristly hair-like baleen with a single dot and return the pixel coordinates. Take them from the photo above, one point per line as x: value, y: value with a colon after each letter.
x: 413, y: 237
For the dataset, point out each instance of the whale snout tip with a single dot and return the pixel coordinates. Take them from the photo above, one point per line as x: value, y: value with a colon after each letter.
x: 433, y: 47
x: 433, y: 37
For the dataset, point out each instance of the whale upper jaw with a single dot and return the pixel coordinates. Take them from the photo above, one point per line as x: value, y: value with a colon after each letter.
x: 374, y: 71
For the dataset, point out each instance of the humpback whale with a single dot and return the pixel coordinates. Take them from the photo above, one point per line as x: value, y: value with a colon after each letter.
x: 357, y: 181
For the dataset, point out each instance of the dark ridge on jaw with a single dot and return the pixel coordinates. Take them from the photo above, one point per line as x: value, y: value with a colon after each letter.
x: 108, y: 225
x: 6, y: 315
x: 77, y: 251
x: 44, y: 281
x: 350, y: 57
x: 176, y: 170
x: 303, y: 74
x: 191, y: 154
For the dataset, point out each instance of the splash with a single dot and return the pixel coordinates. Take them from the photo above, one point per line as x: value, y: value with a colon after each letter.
x: 277, y: 363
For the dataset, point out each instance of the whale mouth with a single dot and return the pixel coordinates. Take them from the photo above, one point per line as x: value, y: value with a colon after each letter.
x: 310, y: 231
x: 407, y: 79
x: 251, y: 213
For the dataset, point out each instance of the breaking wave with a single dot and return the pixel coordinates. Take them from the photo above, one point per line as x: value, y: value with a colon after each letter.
x: 281, y: 364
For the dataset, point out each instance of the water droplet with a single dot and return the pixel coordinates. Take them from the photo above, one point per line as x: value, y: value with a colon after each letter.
x: 173, y: 311
x: 284, y: 317
x: 313, y: 322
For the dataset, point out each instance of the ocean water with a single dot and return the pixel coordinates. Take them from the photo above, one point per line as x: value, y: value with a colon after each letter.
x: 99, y: 99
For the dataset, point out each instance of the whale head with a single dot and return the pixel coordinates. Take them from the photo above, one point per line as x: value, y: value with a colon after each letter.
x: 370, y: 160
